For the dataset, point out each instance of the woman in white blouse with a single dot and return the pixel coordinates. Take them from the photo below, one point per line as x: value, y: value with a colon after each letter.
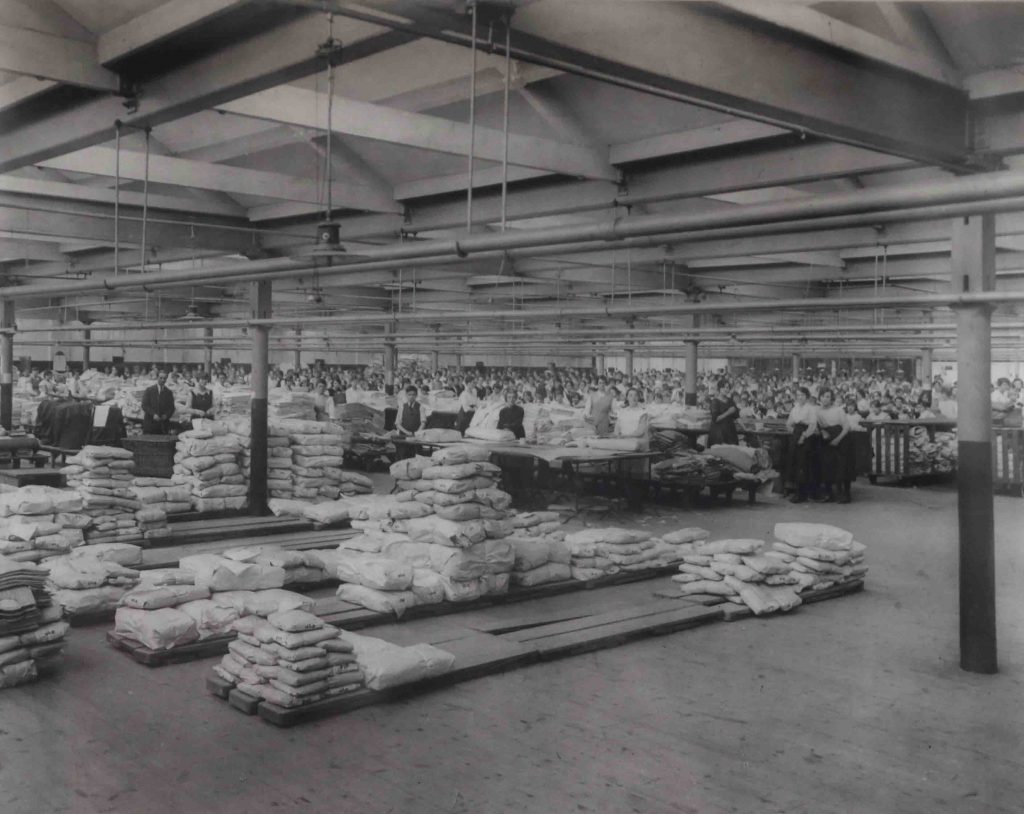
x: 803, y: 424
x: 632, y: 419
x: 834, y: 452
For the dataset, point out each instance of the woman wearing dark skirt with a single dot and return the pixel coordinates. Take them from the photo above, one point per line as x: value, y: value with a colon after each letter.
x: 724, y: 413
x: 803, y: 424
x: 834, y: 451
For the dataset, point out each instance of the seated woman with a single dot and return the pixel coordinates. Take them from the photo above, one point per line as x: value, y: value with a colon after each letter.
x: 510, y: 417
x: 202, y: 400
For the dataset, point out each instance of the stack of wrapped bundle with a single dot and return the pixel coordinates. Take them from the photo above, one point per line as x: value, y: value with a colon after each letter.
x: 235, y: 402
x: 290, y: 659
x: 673, y: 546
x: 40, y: 522
x: 152, y: 523
x: 378, y: 582
x: 168, y: 609
x: 388, y: 665
x: 819, y: 555
x: 207, y: 462
x: 484, y: 425
x: 300, y: 567
x: 537, y: 524
x: 741, y: 570
x: 598, y: 552
x: 539, y: 560
x: 32, y: 626
x: 163, y: 494
x: 103, y: 478
x: 318, y: 453
x: 88, y: 584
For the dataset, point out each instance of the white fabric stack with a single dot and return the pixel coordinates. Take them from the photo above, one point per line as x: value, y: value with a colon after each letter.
x: 40, y: 522
x: 290, y: 659
x: 163, y: 494
x: 300, y: 567
x: 103, y: 477
x: 598, y: 552
x: 32, y: 626
x: 819, y: 556
x: 168, y: 609
x: 88, y: 584
x: 484, y: 425
x: 360, y: 418
x: 207, y: 461
x: 673, y: 546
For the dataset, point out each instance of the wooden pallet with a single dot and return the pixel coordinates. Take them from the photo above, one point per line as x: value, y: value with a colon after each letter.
x: 207, y: 648
x: 352, y: 617
x: 205, y: 529
x: 478, y: 654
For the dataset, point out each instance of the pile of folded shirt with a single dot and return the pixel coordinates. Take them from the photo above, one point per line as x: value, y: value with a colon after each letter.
x: 598, y: 552
x: 318, y: 454
x: 359, y: 419
x: 103, y: 477
x: 290, y: 659
x: 87, y: 584
x: 207, y: 461
x: 484, y: 424
x: 32, y: 627
x: 39, y: 522
x: 200, y: 600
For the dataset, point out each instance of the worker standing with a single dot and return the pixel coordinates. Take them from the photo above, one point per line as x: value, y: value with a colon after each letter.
x: 803, y: 424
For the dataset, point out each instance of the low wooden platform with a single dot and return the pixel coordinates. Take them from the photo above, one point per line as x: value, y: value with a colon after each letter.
x: 478, y: 653
x: 37, y: 476
x: 206, y: 529
x: 353, y: 617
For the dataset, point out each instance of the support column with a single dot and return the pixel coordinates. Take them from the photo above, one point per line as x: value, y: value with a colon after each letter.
x: 390, y: 360
x: 260, y: 296
x: 690, y: 390
x: 600, y: 365
x: 208, y: 350
x: 297, y: 361
x: 6, y: 364
x: 926, y: 366
x: 435, y: 359
x: 796, y: 365
x: 834, y: 364
x: 629, y: 363
x: 86, y: 342
x: 973, y: 270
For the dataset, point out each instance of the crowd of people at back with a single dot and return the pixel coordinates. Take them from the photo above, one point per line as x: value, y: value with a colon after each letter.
x: 820, y: 410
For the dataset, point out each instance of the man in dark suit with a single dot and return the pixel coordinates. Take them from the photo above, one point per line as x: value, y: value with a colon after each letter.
x: 157, y: 406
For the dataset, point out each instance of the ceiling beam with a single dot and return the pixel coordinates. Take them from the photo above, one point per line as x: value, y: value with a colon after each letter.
x: 217, y: 177
x: 22, y: 88
x: 280, y: 55
x: 712, y: 56
x: 380, y: 123
x: 157, y: 25
x: 11, y: 250
x: 58, y: 59
x: 687, y: 141
x: 839, y: 34
x: 78, y: 192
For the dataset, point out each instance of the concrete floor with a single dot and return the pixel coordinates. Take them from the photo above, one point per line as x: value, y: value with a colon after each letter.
x: 852, y: 705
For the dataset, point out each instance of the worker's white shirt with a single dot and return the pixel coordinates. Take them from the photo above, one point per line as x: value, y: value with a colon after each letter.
x: 833, y: 416
x: 632, y: 422
x: 468, y: 399
x: 806, y: 413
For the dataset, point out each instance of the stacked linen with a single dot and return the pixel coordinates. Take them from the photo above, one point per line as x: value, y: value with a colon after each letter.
x: 818, y: 555
x: 598, y: 552
x: 378, y: 582
x: 537, y: 524
x: 235, y: 402
x: 207, y: 462
x: 167, y: 609
x: 32, y: 627
x: 290, y: 659
x: 673, y: 546
x: 163, y: 494
x: 39, y: 522
x: 539, y: 560
x: 88, y: 584
x: 484, y: 425
x: 103, y: 477
x: 453, y: 572
x: 152, y: 523
x: 740, y: 570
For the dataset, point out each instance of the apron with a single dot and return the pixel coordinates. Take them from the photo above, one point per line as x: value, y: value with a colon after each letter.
x: 836, y: 461
x: 803, y: 457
